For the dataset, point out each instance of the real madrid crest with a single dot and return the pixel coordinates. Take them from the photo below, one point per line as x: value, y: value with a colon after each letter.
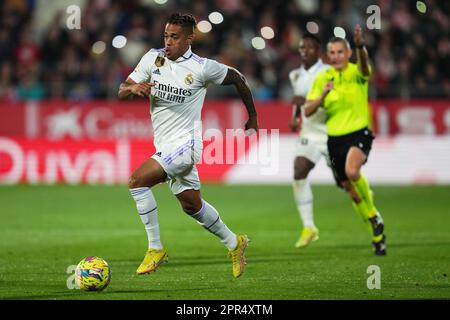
x: 189, y: 79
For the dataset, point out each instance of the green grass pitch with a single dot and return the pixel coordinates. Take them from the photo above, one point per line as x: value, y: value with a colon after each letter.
x: 46, y: 229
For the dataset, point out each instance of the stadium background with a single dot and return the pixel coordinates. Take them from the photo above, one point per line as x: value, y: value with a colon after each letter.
x: 61, y: 84
x: 61, y: 122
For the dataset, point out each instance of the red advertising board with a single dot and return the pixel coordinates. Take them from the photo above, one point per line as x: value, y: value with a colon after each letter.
x: 97, y: 120
x: 105, y: 162
x: 103, y: 142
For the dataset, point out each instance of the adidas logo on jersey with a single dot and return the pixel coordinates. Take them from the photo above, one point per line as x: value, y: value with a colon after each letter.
x: 157, y: 72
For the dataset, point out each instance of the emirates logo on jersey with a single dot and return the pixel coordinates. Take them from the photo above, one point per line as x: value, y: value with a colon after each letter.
x: 189, y: 79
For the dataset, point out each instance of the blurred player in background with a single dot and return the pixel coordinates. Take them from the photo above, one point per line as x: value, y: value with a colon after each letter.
x: 311, y: 144
x: 342, y: 90
x: 176, y: 79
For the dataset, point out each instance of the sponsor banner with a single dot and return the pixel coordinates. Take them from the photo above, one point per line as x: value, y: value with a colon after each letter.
x: 69, y: 161
x: 402, y: 160
x: 100, y: 120
x: 416, y: 117
x: 268, y: 159
x: 107, y: 161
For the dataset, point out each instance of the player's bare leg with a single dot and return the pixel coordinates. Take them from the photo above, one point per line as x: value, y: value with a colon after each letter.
x: 208, y: 217
x: 147, y: 175
x: 190, y: 201
x: 304, y: 199
x: 362, y: 197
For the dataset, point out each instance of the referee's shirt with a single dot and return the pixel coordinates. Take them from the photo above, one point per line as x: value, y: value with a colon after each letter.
x: 347, y: 105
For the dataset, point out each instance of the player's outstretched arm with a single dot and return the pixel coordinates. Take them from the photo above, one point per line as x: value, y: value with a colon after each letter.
x: 237, y: 79
x: 130, y: 87
x: 361, y: 52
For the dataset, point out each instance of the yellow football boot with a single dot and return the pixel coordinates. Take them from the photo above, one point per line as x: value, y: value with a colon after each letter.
x: 152, y: 260
x: 308, y: 235
x: 237, y: 255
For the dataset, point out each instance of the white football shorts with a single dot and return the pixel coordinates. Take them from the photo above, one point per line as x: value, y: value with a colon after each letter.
x: 311, y: 150
x: 178, y: 160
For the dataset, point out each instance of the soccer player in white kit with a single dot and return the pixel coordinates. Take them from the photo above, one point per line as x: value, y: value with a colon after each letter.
x: 176, y: 79
x: 311, y: 144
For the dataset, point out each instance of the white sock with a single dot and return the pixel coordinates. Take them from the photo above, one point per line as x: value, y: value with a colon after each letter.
x: 148, y: 211
x: 304, y: 199
x: 209, y: 218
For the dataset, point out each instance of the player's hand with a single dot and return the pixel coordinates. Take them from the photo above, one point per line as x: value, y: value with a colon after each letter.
x: 358, y: 36
x: 251, y: 126
x: 294, y: 124
x: 142, y: 89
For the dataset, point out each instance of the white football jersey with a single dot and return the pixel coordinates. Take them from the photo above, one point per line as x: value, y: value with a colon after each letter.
x: 179, y: 91
x: 313, y: 127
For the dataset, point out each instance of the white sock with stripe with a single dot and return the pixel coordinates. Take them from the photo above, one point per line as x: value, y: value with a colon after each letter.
x: 304, y: 199
x: 148, y: 211
x: 209, y: 218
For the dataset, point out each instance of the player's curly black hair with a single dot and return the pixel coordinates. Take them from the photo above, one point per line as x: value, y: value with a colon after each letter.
x: 312, y: 37
x: 186, y: 21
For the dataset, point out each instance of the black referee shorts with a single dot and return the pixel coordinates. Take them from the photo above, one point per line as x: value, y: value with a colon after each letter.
x: 339, y: 146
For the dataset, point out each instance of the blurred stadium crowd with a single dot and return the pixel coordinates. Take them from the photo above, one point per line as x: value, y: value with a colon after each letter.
x: 41, y: 58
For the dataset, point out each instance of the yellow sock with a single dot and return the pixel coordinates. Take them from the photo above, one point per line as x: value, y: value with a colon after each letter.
x: 377, y: 238
x: 361, y: 209
x: 363, y: 190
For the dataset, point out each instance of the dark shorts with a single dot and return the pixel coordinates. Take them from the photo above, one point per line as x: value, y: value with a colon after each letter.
x: 338, y: 148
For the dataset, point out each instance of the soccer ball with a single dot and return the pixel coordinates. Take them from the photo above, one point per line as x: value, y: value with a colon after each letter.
x: 93, y: 274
